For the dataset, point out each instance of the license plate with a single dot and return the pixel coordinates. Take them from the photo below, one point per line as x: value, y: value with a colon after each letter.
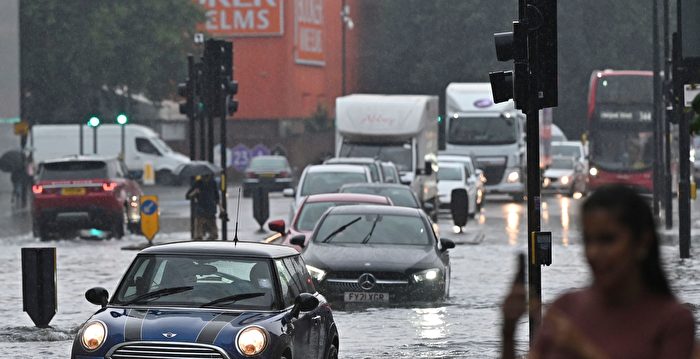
x: 267, y: 175
x: 73, y: 191
x: 366, y: 297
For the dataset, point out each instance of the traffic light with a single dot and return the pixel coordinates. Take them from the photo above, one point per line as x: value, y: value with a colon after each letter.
x: 218, y: 84
x: 232, y: 103
x: 184, y: 89
x: 506, y: 85
x: 122, y: 119
x: 94, y: 121
x: 544, y: 59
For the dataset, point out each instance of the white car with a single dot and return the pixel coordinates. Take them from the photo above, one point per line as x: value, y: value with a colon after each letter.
x: 328, y: 178
x: 565, y: 175
x: 453, y: 175
x: 474, y: 174
x: 574, y: 149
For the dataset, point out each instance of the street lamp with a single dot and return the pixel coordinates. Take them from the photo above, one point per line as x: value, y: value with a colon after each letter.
x: 349, y: 24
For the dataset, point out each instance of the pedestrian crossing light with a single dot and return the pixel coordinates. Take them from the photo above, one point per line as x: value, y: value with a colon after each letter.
x: 122, y: 119
x: 94, y: 121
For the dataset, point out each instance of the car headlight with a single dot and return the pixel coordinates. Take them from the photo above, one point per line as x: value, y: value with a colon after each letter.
x: 251, y: 341
x: 426, y: 275
x: 513, y: 177
x: 565, y: 180
x: 93, y: 335
x: 593, y: 171
x: 316, y: 273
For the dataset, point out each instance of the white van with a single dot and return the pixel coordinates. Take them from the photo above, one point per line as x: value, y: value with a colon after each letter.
x: 141, y: 145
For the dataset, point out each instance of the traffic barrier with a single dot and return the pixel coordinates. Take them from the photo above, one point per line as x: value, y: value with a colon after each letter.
x: 39, y: 284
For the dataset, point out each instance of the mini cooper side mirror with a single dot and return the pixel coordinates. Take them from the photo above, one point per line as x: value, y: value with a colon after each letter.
x: 97, y: 296
x: 304, y: 302
x: 447, y: 243
x: 299, y: 240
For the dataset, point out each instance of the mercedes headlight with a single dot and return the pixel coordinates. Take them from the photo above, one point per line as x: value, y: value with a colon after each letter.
x: 426, y: 275
x: 251, y: 341
x: 93, y: 335
x: 316, y: 273
x: 565, y: 180
x: 513, y: 177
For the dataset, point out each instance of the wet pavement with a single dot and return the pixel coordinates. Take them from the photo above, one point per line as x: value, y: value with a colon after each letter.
x: 465, y: 326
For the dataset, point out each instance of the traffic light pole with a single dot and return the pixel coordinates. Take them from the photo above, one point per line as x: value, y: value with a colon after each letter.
x: 533, y: 188
x: 668, y: 176
x: 658, y: 128
x: 683, y: 148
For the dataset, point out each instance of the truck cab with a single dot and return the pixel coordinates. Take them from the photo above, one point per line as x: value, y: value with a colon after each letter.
x: 493, y: 135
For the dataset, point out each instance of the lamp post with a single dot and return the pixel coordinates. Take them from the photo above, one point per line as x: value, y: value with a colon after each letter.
x: 346, y: 23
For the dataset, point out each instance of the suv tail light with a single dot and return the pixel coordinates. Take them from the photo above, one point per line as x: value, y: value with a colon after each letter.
x: 250, y: 174
x: 37, y: 189
x: 284, y: 174
x: 109, y: 186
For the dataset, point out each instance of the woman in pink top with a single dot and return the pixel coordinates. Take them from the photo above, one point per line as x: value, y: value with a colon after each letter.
x: 629, y: 311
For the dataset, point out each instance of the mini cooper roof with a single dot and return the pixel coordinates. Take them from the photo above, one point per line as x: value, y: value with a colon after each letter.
x: 223, y: 248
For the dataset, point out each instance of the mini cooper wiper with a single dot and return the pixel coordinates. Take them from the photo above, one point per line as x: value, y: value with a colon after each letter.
x: 233, y: 298
x: 159, y: 293
x: 340, y: 229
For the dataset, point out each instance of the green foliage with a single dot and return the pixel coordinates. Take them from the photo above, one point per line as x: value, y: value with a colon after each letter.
x: 418, y: 46
x: 76, y: 53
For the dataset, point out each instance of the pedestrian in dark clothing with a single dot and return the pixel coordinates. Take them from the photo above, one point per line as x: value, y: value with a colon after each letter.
x: 205, y: 194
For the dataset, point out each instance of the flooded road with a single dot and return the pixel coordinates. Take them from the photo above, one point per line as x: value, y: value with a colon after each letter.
x: 465, y: 326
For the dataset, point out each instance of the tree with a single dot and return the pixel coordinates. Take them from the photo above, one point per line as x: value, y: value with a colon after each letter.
x: 75, y: 55
x: 419, y: 46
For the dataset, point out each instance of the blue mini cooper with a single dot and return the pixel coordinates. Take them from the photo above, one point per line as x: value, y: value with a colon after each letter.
x: 211, y: 300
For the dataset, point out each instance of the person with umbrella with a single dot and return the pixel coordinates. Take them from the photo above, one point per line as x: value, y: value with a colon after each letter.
x: 204, y: 192
x: 15, y: 162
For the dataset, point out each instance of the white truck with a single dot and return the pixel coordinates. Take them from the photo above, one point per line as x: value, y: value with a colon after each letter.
x: 493, y: 134
x: 402, y: 129
x: 142, y: 145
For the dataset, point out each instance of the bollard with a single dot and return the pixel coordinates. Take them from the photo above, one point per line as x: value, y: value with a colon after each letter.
x: 261, y: 205
x: 459, y: 206
x: 39, y: 284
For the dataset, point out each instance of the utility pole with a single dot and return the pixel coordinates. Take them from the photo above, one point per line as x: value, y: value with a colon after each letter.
x: 667, y: 101
x: 658, y: 137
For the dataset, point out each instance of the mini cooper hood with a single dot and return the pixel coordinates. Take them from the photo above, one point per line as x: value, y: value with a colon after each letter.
x: 179, y: 325
x: 375, y: 257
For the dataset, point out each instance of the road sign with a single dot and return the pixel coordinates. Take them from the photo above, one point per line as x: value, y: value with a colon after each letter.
x: 241, y: 157
x: 150, y: 216
x: 21, y: 128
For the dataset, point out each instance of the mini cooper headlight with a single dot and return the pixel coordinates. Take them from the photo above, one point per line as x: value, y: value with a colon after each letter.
x: 316, y: 273
x: 426, y: 275
x: 93, y: 335
x: 251, y: 341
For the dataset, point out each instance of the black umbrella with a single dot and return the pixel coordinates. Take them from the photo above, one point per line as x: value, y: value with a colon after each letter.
x: 197, y: 168
x: 12, y: 160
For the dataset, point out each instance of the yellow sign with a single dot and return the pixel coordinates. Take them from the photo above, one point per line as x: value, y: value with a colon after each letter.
x: 150, y: 216
x: 149, y: 175
x: 21, y: 128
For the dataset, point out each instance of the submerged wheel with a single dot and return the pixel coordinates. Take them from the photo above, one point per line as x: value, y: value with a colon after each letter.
x: 332, y: 352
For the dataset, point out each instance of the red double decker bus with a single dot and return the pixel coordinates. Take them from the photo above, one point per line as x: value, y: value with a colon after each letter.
x: 621, y: 128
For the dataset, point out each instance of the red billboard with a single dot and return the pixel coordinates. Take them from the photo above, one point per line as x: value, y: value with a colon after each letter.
x: 308, y: 32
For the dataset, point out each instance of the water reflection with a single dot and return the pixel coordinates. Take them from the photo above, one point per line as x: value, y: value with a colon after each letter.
x: 431, y: 323
x: 545, y: 212
x: 565, y: 204
x: 512, y: 213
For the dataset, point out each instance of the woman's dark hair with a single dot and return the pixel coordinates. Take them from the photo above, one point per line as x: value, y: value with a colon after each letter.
x: 632, y: 211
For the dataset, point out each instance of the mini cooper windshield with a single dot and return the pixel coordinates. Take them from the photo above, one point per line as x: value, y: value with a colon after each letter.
x: 187, y: 281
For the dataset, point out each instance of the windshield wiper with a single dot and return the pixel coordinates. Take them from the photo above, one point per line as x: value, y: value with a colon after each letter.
x: 233, y: 298
x: 371, y: 230
x: 340, y: 229
x: 159, y: 293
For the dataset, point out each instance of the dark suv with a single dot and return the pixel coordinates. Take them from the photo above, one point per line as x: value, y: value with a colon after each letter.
x: 85, y: 192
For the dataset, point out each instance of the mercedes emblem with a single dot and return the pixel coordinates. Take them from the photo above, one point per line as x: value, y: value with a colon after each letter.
x: 367, y: 281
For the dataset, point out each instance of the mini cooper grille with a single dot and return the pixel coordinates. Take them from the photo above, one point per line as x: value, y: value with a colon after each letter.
x: 167, y: 351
